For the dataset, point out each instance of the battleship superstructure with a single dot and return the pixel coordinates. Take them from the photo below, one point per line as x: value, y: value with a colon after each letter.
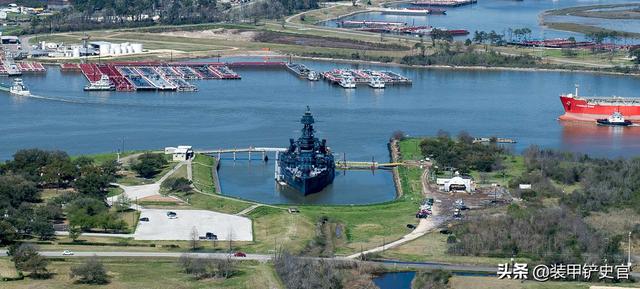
x: 307, y: 165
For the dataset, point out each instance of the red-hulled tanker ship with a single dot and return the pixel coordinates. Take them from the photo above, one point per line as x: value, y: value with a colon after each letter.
x: 594, y: 108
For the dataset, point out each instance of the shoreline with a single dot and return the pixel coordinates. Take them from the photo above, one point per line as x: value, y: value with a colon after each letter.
x: 451, y: 67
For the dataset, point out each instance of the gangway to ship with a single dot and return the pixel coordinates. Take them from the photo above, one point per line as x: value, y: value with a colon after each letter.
x: 351, y: 165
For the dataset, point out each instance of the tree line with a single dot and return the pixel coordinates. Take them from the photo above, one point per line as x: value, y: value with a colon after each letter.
x: 307, y: 273
x: 79, y: 181
x: 462, y: 154
x: 108, y: 14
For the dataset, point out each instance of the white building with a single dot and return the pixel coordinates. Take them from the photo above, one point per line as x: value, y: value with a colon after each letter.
x: 180, y: 153
x: 457, y: 184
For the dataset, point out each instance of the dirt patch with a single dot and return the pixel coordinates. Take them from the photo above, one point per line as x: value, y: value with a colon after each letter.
x: 159, y: 199
x: 317, y: 41
x: 219, y: 33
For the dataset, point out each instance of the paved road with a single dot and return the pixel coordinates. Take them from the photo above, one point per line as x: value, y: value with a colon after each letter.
x: 265, y: 258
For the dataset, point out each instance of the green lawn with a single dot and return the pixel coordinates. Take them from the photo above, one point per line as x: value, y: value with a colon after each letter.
x: 372, y: 225
x: 202, y: 173
x: 410, y: 149
x: 214, y: 203
x: 151, y: 273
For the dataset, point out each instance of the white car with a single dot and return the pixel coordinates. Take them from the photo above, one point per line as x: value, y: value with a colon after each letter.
x: 67, y: 253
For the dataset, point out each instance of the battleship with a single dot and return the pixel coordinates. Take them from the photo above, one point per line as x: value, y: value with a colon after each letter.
x: 307, y: 165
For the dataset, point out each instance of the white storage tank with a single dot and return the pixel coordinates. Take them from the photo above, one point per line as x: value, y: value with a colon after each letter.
x: 104, y: 49
x: 76, y: 52
x: 137, y: 47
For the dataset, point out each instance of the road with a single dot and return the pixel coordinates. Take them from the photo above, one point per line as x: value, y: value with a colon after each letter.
x: 424, y: 226
x: 266, y: 258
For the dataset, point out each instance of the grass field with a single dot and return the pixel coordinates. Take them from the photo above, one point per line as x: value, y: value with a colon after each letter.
x: 372, y: 225
x: 202, y: 173
x: 277, y: 228
x: 150, y: 273
x: 432, y: 247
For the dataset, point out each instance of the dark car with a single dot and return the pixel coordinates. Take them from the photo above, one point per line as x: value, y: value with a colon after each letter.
x: 239, y: 254
x: 144, y: 219
x: 211, y: 236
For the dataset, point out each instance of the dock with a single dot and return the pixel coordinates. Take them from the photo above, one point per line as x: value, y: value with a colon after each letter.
x: 497, y: 140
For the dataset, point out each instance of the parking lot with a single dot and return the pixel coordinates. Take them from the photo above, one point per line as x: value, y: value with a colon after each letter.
x: 161, y: 227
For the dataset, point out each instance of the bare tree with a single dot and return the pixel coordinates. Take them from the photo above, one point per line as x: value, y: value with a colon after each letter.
x: 194, y: 239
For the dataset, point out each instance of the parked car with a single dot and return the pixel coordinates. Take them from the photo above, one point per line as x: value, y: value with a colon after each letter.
x: 211, y: 236
x: 67, y: 253
x: 172, y: 215
x: 411, y: 226
x: 144, y: 219
x: 239, y: 254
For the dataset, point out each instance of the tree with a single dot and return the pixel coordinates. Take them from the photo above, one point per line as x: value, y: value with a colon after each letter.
x: 635, y: 55
x: 177, y: 184
x: 421, y: 47
x: 398, y: 135
x: 149, y: 164
x: 74, y: 232
x: 440, y: 34
x: 92, y: 271
x: 42, y: 227
x: 123, y: 203
x: 194, y: 242
x: 26, y: 258
x: 92, y: 183
x: 8, y: 233
x: 15, y: 189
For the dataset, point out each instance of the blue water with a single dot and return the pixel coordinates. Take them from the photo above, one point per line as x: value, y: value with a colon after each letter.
x: 395, y: 280
x: 497, y: 15
x: 264, y: 109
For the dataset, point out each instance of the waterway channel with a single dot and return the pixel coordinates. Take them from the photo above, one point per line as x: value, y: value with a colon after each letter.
x: 500, y: 15
x: 264, y: 109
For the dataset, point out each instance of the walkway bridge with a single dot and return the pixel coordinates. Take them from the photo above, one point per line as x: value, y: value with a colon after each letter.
x: 340, y: 164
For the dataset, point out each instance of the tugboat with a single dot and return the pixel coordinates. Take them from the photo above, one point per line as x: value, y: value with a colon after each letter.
x: 313, y: 76
x: 376, y: 82
x: 18, y: 88
x: 307, y: 165
x: 615, y: 119
x: 101, y: 85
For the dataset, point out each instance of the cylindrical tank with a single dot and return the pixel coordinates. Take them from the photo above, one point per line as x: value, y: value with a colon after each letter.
x: 105, y: 49
x: 137, y: 47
